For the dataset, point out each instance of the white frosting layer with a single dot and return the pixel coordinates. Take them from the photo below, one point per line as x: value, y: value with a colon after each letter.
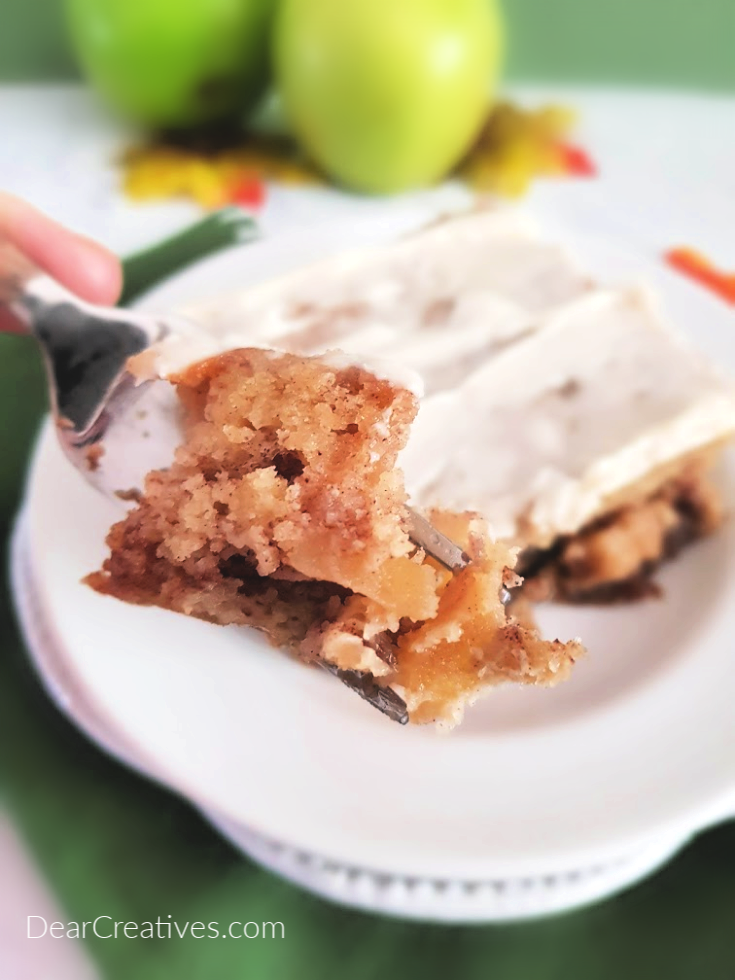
x: 544, y: 395
x: 587, y: 405
x: 437, y: 302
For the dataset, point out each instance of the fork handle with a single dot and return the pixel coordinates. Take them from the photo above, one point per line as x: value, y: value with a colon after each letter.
x: 84, y: 347
x: 16, y: 272
x: 31, y: 300
x: 26, y: 293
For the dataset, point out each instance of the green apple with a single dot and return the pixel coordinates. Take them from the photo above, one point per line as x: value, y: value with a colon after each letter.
x: 387, y: 94
x: 174, y: 62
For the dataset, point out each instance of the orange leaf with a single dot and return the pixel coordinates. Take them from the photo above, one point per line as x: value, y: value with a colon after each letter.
x: 698, y: 268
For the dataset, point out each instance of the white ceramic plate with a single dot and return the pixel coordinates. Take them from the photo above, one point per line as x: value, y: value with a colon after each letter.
x: 447, y: 900
x: 637, y: 748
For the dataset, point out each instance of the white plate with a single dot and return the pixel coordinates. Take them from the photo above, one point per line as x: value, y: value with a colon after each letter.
x: 418, y: 898
x: 637, y: 748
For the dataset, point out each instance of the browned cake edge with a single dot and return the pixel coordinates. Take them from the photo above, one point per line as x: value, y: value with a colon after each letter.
x: 614, y: 557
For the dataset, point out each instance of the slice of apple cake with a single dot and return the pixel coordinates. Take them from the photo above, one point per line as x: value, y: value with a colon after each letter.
x: 284, y: 510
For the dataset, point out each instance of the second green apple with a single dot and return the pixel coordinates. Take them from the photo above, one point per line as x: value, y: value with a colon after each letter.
x: 387, y: 94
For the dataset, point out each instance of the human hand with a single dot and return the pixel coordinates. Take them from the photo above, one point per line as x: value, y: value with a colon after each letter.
x: 82, y: 265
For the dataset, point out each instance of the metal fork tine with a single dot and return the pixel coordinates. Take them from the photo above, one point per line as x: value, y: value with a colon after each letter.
x: 448, y: 554
x: 363, y: 683
x: 434, y: 543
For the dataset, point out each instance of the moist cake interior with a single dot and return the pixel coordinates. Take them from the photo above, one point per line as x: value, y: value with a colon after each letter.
x: 284, y: 510
x: 613, y: 558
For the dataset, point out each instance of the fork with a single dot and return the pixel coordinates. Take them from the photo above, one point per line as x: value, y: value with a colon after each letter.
x: 95, y: 401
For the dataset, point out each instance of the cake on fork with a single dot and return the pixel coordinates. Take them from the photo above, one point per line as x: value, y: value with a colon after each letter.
x: 284, y: 510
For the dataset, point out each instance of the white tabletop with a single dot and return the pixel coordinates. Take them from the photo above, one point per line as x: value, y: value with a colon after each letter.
x: 59, y: 148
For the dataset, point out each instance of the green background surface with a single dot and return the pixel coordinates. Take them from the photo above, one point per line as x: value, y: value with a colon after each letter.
x: 669, y: 42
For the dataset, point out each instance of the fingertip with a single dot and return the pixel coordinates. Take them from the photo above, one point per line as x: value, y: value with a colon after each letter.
x: 82, y: 265
x: 98, y: 277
